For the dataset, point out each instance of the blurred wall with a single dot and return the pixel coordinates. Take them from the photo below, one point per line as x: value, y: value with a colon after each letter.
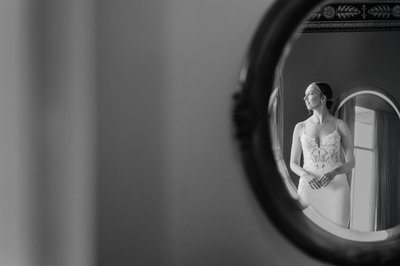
x: 117, y: 144
x: 171, y: 188
x: 343, y: 59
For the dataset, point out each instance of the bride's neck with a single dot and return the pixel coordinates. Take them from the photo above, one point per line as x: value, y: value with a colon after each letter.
x: 320, y: 116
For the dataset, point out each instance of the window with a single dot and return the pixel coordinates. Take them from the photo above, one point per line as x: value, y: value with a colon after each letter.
x: 363, y: 181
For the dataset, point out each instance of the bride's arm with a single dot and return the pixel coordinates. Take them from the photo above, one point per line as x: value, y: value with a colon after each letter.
x: 348, y: 148
x: 295, y: 155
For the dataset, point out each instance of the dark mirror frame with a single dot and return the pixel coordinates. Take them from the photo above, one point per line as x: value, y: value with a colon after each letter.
x: 251, y: 122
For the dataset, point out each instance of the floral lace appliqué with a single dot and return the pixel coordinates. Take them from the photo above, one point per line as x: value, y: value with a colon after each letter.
x: 323, y: 156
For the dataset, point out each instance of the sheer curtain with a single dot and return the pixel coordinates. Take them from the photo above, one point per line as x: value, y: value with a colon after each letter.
x: 387, y: 131
x: 275, y: 108
x: 275, y: 111
x: 347, y: 114
x: 279, y: 104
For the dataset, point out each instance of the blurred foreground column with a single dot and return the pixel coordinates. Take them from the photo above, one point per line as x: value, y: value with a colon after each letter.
x: 66, y: 62
x: 46, y: 132
x: 17, y: 229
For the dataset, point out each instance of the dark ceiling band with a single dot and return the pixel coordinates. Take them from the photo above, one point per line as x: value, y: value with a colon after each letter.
x: 355, y: 15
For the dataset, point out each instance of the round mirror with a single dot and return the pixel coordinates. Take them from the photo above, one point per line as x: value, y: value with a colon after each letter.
x: 320, y: 147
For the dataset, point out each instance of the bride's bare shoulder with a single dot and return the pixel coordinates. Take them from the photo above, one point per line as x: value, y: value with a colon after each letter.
x: 299, y: 126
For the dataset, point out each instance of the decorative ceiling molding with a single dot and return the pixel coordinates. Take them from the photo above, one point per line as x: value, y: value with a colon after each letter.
x: 355, y: 15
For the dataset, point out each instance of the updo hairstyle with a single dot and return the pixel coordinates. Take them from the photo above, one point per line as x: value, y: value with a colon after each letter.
x: 326, y: 90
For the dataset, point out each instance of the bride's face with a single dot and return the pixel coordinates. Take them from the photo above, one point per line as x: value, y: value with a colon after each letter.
x: 312, y: 97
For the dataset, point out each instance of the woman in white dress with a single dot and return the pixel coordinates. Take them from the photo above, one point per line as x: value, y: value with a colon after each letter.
x: 323, y: 182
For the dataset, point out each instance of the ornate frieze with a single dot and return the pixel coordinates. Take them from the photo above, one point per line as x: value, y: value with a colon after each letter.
x: 355, y: 15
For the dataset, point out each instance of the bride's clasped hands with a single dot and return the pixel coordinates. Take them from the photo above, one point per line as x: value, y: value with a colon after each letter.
x: 313, y: 181
x: 318, y: 183
x: 326, y: 179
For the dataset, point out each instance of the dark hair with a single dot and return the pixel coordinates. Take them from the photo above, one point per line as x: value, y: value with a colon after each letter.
x: 326, y: 90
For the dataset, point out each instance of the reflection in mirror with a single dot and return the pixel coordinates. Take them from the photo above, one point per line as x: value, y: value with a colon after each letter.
x: 368, y: 123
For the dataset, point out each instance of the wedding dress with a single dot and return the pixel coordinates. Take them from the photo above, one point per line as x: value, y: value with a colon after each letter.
x: 332, y: 201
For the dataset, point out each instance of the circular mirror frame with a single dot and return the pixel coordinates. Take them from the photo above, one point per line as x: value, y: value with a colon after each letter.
x: 251, y: 122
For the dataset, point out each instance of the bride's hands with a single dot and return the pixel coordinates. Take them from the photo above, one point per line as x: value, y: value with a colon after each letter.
x: 313, y: 181
x: 326, y: 179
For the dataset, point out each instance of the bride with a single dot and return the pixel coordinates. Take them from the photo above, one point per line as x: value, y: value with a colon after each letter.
x: 323, y: 183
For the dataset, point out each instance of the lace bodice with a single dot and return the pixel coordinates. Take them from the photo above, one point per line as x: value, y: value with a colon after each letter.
x: 322, y: 157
